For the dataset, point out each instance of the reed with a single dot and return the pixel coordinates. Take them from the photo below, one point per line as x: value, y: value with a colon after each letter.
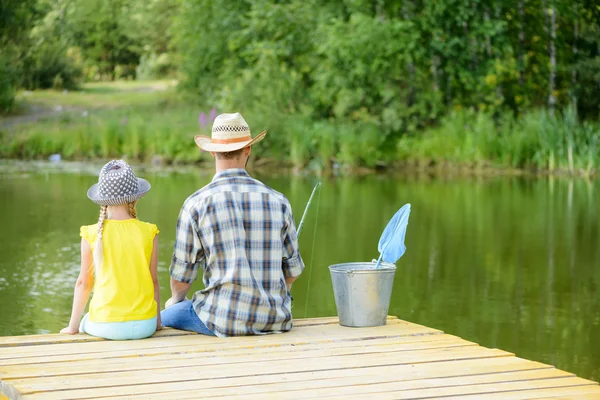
x: 164, y: 130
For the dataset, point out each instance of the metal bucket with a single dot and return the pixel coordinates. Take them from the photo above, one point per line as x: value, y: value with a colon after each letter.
x: 362, y: 293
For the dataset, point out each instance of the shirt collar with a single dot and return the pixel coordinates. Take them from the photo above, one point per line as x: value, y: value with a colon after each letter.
x: 230, y: 173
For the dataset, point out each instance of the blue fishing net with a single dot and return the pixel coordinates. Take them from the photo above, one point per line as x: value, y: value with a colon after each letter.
x: 391, y: 244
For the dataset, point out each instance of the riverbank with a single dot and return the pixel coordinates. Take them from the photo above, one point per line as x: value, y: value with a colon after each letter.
x: 153, y: 125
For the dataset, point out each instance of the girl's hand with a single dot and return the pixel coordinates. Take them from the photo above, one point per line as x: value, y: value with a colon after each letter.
x: 69, y: 331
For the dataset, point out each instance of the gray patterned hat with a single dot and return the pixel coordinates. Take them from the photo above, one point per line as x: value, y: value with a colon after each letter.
x: 117, y: 184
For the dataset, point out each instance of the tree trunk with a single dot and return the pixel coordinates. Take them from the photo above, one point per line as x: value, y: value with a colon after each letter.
x: 521, y: 43
x: 411, y: 65
x: 575, y: 39
x: 551, y: 98
x: 472, y: 45
x: 552, y: 78
x: 435, y: 62
x: 488, y: 40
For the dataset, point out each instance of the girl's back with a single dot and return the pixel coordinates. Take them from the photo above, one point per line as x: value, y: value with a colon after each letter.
x: 119, y: 258
x: 123, y: 289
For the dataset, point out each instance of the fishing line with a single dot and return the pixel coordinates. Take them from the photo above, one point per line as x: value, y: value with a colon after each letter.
x: 312, y: 253
x: 301, y: 224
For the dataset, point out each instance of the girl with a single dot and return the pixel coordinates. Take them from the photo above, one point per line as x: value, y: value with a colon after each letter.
x: 122, y: 266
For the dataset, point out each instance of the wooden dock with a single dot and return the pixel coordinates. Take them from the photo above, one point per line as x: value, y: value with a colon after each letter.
x: 318, y: 359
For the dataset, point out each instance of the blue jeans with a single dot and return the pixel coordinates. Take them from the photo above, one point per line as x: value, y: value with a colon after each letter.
x: 183, y: 316
x: 118, y: 330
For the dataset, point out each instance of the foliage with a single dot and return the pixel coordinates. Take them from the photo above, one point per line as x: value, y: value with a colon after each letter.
x: 342, y: 83
x: 16, y: 18
x: 153, y: 66
x: 142, y: 134
x: 148, y: 121
x: 8, y: 79
x: 393, y: 69
x: 537, y: 141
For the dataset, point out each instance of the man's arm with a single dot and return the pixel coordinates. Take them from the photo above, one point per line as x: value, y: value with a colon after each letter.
x: 188, y: 254
x: 292, y: 263
x: 179, y: 290
x: 289, y: 281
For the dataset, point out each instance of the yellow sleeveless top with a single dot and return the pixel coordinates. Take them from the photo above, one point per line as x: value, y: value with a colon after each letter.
x: 123, y: 291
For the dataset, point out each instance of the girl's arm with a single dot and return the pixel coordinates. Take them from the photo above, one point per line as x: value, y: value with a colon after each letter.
x: 154, y: 273
x: 83, y: 288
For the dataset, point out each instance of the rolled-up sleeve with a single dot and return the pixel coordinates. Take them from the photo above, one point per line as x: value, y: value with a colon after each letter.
x: 292, y: 261
x: 188, y: 254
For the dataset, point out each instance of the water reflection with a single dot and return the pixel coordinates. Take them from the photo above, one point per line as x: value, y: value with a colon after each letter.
x: 508, y: 263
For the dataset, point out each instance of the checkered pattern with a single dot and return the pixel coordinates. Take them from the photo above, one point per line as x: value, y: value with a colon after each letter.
x: 231, y: 128
x: 241, y: 233
x: 117, y: 184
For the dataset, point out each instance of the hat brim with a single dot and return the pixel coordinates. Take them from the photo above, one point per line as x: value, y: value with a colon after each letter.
x: 205, y: 144
x: 94, y: 195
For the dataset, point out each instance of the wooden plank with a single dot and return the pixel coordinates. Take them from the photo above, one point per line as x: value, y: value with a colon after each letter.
x: 328, y: 321
x: 349, y: 386
x: 192, y: 346
x: 582, y: 393
x: 298, y: 332
x: 309, y: 334
x: 314, y: 379
x: 56, y: 338
x: 213, y: 370
x: 30, y: 340
x: 163, y: 346
x: 196, y: 354
x: 591, y: 391
x: 317, y: 359
x: 507, y: 389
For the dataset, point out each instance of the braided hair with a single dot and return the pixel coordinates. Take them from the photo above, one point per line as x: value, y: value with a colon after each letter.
x: 132, y: 211
x: 98, y: 251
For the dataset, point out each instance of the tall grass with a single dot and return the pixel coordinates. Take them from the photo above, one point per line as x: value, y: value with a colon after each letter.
x: 536, y: 140
x: 136, y: 134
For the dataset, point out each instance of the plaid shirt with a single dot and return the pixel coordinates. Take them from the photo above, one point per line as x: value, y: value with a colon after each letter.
x: 241, y: 233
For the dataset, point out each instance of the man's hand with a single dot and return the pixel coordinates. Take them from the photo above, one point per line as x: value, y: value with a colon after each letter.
x: 179, y: 291
x: 172, y: 301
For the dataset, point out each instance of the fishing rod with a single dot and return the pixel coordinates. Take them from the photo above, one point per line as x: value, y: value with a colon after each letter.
x: 307, y: 207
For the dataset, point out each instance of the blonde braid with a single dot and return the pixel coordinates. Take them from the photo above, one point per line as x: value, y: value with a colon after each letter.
x: 132, y: 211
x: 98, y: 250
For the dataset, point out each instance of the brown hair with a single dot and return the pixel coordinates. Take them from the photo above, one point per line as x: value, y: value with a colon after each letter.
x: 98, y: 251
x: 230, y: 155
x: 132, y: 211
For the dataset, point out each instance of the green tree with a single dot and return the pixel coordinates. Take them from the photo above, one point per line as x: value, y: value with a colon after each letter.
x: 16, y: 18
x: 106, y: 32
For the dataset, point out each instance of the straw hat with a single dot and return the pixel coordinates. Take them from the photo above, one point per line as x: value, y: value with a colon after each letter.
x: 117, y: 184
x: 230, y: 132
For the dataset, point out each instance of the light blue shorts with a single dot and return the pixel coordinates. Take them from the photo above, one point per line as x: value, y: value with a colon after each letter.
x: 119, y: 330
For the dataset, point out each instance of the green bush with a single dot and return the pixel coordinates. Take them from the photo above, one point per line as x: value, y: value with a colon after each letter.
x: 153, y: 66
x: 49, y: 65
x: 8, y: 83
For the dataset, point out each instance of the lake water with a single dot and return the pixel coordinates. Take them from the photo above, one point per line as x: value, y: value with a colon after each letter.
x: 511, y: 263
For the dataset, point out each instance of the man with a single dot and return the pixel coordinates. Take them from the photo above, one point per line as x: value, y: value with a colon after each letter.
x: 241, y: 233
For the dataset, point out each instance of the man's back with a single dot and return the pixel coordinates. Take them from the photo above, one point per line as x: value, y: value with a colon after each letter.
x: 242, y: 234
